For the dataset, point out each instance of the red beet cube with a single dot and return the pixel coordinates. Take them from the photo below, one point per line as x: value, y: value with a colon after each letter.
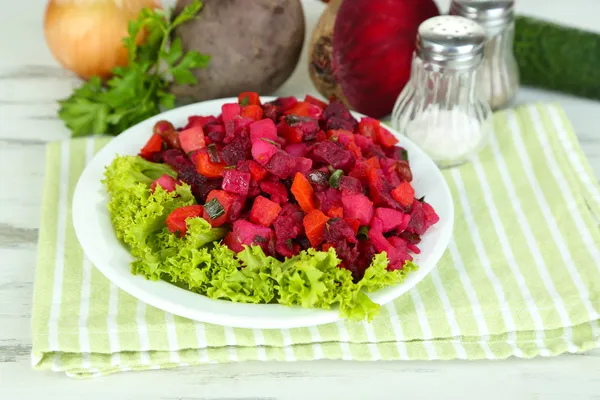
x: 236, y: 182
x: 357, y: 206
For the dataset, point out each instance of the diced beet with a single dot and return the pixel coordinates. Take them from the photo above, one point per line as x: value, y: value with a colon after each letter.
x: 404, y: 224
x: 246, y: 233
x: 380, y: 191
x: 275, y: 190
x: 253, y: 189
x: 237, y: 207
x: 403, y: 170
x: 215, y: 133
x: 339, y: 123
x: 422, y: 216
x: 351, y: 184
x: 176, y: 159
x: 288, y: 226
x: 198, y: 120
x: 368, y: 127
x: 318, y: 179
x: 360, y: 171
x: 167, y: 182
x: 262, y: 151
x: 264, y: 128
x: 391, y: 218
x: 357, y: 206
x: 409, y: 237
x: 295, y: 129
x: 413, y: 248
x: 303, y: 165
x: 332, y: 154
x: 271, y: 111
x: 229, y: 111
x: 297, y: 149
x: 192, y: 139
x: 336, y: 230
x: 282, y: 165
x: 236, y: 182
x: 264, y: 211
x: 366, y: 252
x: 237, y: 150
x: 329, y: 198
x: 338, y: 109
x: 285, y: 103
x: 363, y: 142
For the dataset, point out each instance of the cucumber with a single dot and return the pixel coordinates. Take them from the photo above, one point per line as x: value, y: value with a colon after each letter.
x: 555, y: 57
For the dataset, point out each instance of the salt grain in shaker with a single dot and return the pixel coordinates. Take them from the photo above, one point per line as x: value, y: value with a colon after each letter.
x: 442, y: 108
x: 499, y: 74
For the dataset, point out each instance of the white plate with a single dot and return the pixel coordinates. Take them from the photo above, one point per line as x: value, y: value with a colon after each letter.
x: 110, y: 256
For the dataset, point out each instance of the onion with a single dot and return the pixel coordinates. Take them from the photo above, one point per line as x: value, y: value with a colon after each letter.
x: 85, y: 36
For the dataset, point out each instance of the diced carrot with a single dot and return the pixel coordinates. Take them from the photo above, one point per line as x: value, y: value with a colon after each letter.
x: 374, y: 162
x: 257, y: 171
x: 249, y: 99
x: 404, y: 194
x: 303, y: 192
x: 264, y: 211
x: 252, y: 111
x: 313, y: 100
x: 176, y: 221
x: 154, y: 145
x: 326, y: 246
x: 208, y: 168
x: 314, y: 225
x: 336, y: 212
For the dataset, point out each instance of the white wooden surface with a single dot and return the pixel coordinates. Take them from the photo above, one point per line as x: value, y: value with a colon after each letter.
x: 30, y: 83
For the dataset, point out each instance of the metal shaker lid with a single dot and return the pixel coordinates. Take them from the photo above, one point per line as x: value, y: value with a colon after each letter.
x: 450, y: 41
x: 492, y: 15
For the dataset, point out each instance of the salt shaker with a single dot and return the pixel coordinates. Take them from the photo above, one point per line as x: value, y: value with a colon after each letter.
x: 499, y: 75
x: 442, y: 109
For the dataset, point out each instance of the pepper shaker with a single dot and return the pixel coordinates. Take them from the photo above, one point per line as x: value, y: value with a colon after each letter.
x: 499, y: 75
x: 442, y: 108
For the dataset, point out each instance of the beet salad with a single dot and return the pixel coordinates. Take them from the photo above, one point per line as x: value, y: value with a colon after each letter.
x: 291, y: 201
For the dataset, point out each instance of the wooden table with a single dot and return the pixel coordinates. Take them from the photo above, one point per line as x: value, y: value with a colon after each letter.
x: 30, y: 84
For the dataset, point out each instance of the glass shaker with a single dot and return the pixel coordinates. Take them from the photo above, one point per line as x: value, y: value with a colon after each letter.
x: 442, y: 109
x: 499, y: 75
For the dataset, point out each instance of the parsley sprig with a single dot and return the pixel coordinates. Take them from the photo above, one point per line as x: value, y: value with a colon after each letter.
x: 140, y: 89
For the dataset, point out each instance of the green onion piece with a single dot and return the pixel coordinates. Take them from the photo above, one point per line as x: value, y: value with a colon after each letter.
x: 404, y: 155
x: 422, y: 199
x: 214, y: 209
x: 244, y: 101
x: 270, y: 141
x: 213, y: 153
x: 334, y: 179
x: 363, y: 233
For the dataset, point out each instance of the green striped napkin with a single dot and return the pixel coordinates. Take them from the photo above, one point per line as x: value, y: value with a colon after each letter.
x: 521, y: 276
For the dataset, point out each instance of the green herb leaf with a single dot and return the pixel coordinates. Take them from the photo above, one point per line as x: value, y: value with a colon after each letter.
x: 244, y: 101
x: 214, y: 209
x: 334, y: 179
x: 139, y: 90
x: 363, y: 233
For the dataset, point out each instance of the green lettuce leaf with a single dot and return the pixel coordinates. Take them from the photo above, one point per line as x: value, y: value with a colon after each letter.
x: 200, y: 263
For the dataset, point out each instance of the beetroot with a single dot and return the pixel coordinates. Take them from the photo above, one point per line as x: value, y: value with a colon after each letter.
x: 369, y: 74
x: 283, y: 165
x: 236, y: 182
x: 297, y: 149
x: 329, y: 153
x: 275, y: 190
x: 357, y: 206
x: 265, y: 128
x: 351, y: 184
x: 328, y: 199
x: 237, y: 150
x: 246, y: 233
x: 262, y: 151
x: 390, y: 218
x: 229, y: 111
x: 167, y: 182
